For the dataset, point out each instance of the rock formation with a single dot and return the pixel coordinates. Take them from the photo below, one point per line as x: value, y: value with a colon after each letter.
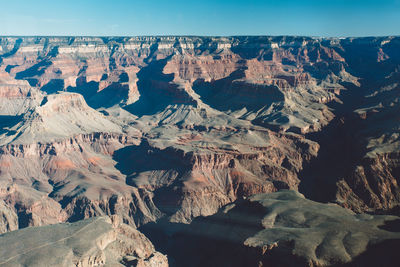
x: 285, y: 229
x: 93, y: 242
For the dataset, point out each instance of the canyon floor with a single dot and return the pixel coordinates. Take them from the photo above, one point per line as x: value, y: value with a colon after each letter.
x: 216, y: 151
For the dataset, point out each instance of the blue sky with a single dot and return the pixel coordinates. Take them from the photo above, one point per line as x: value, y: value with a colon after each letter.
x: 207, y: 17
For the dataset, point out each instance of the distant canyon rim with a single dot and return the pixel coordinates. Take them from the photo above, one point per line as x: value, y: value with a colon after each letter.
x: 154, y: 134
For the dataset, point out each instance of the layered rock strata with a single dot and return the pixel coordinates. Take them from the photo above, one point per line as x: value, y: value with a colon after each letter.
x: 176, y: 127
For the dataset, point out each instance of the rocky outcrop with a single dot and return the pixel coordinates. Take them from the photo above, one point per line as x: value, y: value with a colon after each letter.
x: 194, y: 179
x: 283, y: 229
x: 57, y: 117
x: 93, y: 242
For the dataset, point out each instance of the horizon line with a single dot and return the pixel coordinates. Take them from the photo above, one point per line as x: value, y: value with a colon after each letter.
x: 215, y: 36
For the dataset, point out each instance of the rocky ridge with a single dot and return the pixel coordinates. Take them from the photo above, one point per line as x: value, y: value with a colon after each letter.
x: 284, y: 229
x: 92, y: 242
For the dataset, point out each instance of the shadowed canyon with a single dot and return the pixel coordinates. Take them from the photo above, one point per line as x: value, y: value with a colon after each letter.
x: 199, y: 151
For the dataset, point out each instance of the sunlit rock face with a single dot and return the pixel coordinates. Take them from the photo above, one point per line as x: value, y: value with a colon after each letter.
x: 97, y: 241
x: 176, y: 127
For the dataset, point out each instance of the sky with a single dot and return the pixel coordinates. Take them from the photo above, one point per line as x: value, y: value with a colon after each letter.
x: 326, y: 18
